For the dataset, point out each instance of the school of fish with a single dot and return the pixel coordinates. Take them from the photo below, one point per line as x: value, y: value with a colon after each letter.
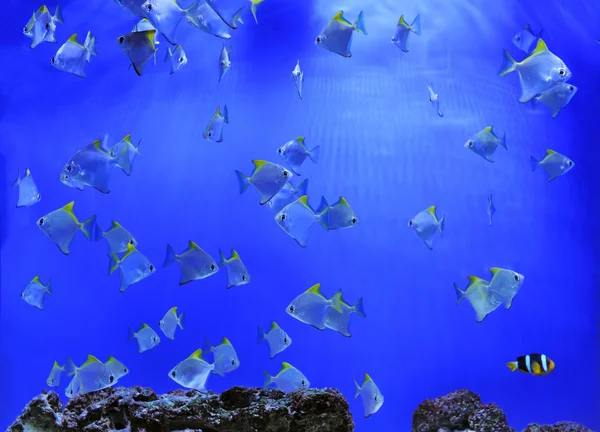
x: 543, y: 77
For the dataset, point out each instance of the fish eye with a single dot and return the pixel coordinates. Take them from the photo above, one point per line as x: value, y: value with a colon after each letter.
x: 285, y: 174
x: 173, y: 374
x: 561, y: 72
x: 69, y: 168
x: 282, y: 217
x: 279, y: 151
x: 47, y: 26
x: 285, y: 341
x: 212, y: 266
x: 38, y: 196
x: 410, y: 223
x: 149, y: 7
x: 570, y: 163
x: 517, y: 38
x: 125, y: 370
x: 232, y: 362
x: 571, y: 88
x: 354, y: 220
x: 375, y: 398
x: 210, y: 133
x: 291, y: 309
x: 151, y: 267
x: 303, y: 383
x: 66, y: 177
x: 517, y: 278
x: 180, y: 59
x: 470, y: 143
x: 243, y: 277
x: 318, y: 39
x: 24, y: 29
x: 112, y: 378
x: 71, y: 391
x: 52, y: 60
x: 41, y: 221
x: 121, y: 39
x: 131, y: 243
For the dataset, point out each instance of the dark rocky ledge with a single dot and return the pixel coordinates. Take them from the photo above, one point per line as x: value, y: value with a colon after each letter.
x: 238, y: 409
x: 463, y: 411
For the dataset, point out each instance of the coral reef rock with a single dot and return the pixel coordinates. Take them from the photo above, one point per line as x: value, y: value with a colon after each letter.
x: 459, y: 411
x: 239, y: 409
x: 558, y: 427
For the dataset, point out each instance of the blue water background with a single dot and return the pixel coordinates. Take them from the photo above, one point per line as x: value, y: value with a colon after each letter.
x: 382, y: 147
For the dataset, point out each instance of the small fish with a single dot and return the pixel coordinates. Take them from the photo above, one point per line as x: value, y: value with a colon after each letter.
x: 35, y: 292
x: 556, y: 98
x: 28, y: 191
x: 371, y: 396
x: 287, y: 379
x: 287, y: 195
x: 298, y: 77
x: 73, y: 388
x: 53, y: 379
x: 72, y: 56
x: 236, y: 271
x: 93, y: 375
x: 426, y: 224
x: 214, y: 129
x: 224, y: 62
x: 505, y: 285
x: 491, y: 209
x: 133, y: 151
x: 298, y: 218
x: 340, y: 215
x: 177, y: 57
x: 117, y: 368
x: 554, y: 164
x: 532, y: 364
x: 139, y: 47
x: 226, y: 359
x: 118, y: 238
x: 340, y: 322
x: 61, y: 225
x: 209, y: 21
x: 230, y: 11
x: 165, y: 16
x: 478, y: 294
x: 485, y: 143
x: 193, y: 372
x: 539, y: 72
x: 146, y: 337
x: 92, y: 165
x: 337, y: 34
x: 277, y: 339
x: 434, y: 98
x: 170, y: 321
x: 133, y: 266
x: 43, y: 27
x: 195, y: 264
x: 268, y: 178
x: 400, y: 38
x: 294, y: 153
x: 310, y: 307
x: 525, y: 40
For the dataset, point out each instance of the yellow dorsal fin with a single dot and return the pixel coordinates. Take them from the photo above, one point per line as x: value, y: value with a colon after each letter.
x: 274, y: 326
x: 73, y: 38
x: 97, y: 144
x: 234, y: 254
x: 402, y: 22
x: 259, y: 163
x: 286, y: 366
x: 197, y: 354
x: 111, y: 359
x: 431, y: 211
x: 69, y: 207
x: 218, y: 112
x: 494, y: 270
x: 193, y: 245
x: 367, y: 378
x: 300, y: 139
x: 130, y: 249
x: 474, y: 279
x: 304, y: 200
x: 173, y: 310
x: 127, y: 139
x: 488, y: 129
x: 315, y: 289
x: 144, y: 326
x: 90, y: 360
x: 115, y: 224
x: 541, y: 47
x: 550, y: 152
x: 343, y: 202
x: 150, y: 34
x: 56, y: 364
x: 225, y: 341
x: 37, y: 280
x: 42, y: 9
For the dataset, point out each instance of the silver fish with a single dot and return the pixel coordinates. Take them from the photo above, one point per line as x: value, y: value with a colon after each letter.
x: 44, y: 26
x: 371, y: 396
x: 505, y: 285
x: 177, y: 57
x: 237, y: 274
x: 28, y: 191
x: 224, y: 62
x: 298, y: 77
x: 400, y: 38
x: 337, y: 34
x: 485, y: 143
x: 192, y: 372
x: 165, y: 16
x: 210, y: 22
x: 35, y: 291
x: 556, y: 98
x: 287, y: 195
x: 133, y: 266
x: 195, y: 264
x: 277, y: 339
x: 554, y: 164
x: 434, y: 98
x: 525, y: 40
x: 139, y: 46
x: 214, y: 129
x: 72, y: 56
x: 426, y: 224
x: 478, y: 294
x: 146, y: 338
x: 287, y: 379
x: 170, y: 322
x: 267, y: 177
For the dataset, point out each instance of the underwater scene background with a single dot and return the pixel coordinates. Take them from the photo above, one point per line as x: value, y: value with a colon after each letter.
x: 382, y: 147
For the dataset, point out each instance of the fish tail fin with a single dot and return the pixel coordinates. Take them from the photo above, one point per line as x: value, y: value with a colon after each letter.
x: 441, y: 223
x: 17, y: 182
x: 503, y: 141
x: 512, y: 366
x: 268, y: 379
x: 260, y: 335
x: 88, y: 228
x: 358, y: 389
x: 191, y: 14
x: 253, y: 7
x: 415, y: 27
x: 170, y: 257
x: 508, y: 64
x: 222, y: 258
x: 113, y: 262
x: 225, y: 114
x: 323, y: 213
x: 460, y: 294
x: 243, y: 181
x: 533, y: 163
x: 58, y: 16
x: 90, y: 46
x: 207, y: 347
x: 70, y: 367
x: 48, y: 287
x: 122, y: 159
x: 303, y: 187
x: 359, y: 24
x: 359, y: 309
x: 314, y: 154
x: 180, y: 321
x: 131, y: 335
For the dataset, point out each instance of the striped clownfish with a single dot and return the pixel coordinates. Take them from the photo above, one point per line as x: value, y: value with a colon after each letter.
x: 533, y: 364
